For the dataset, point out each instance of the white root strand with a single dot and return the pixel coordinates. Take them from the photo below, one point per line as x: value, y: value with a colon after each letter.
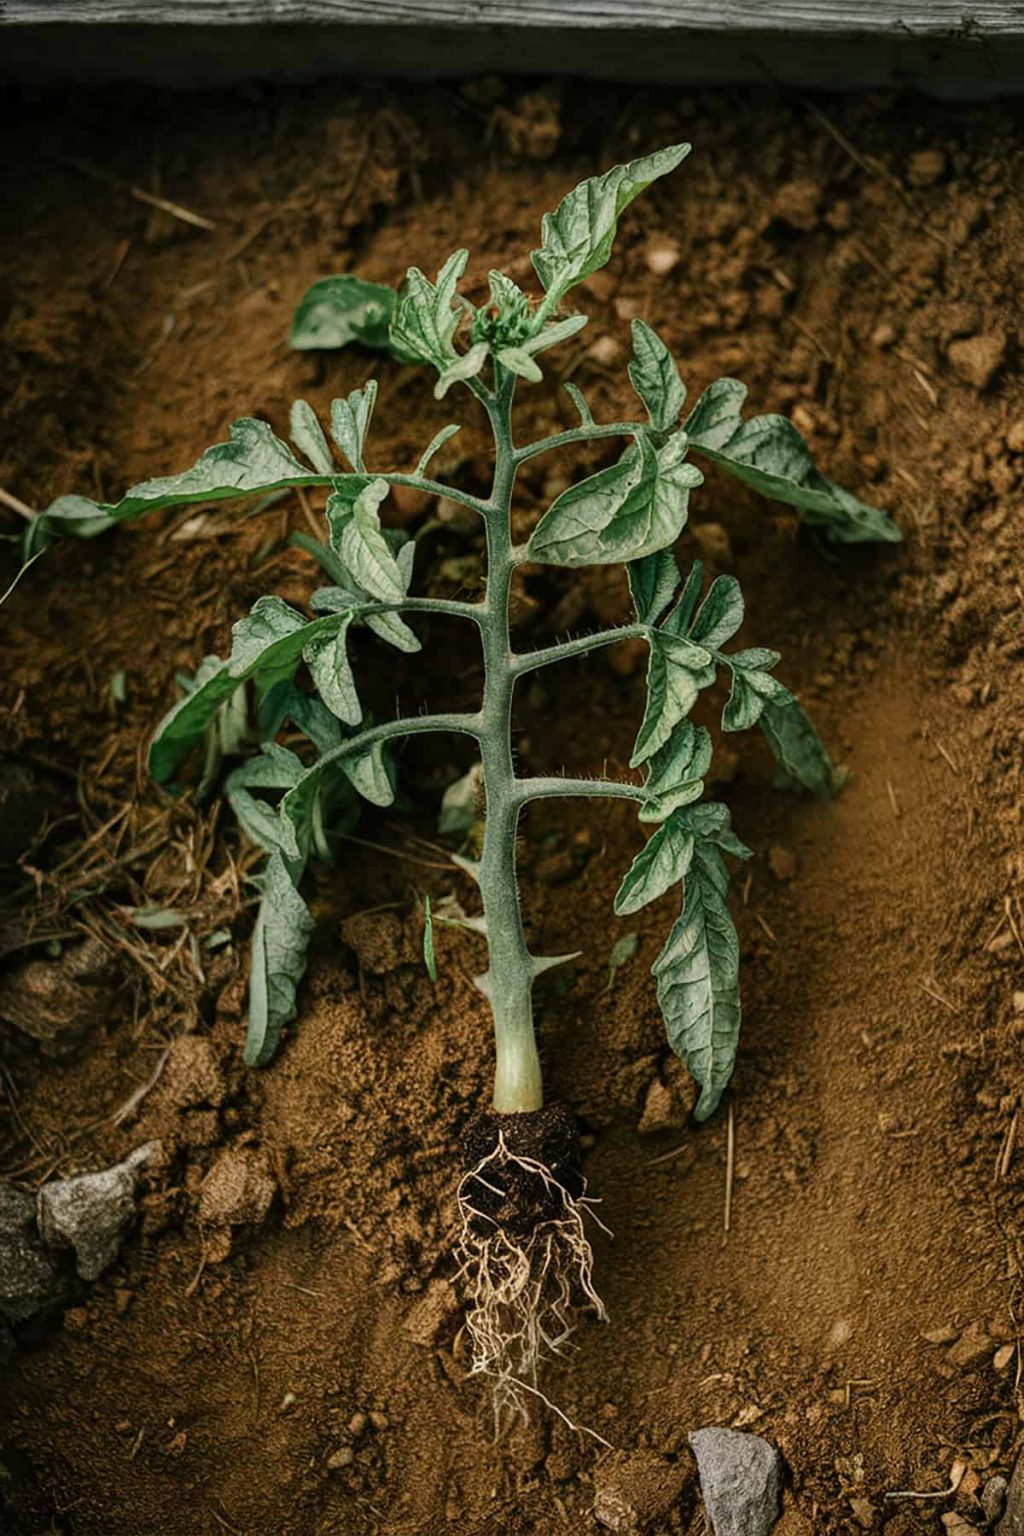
x: 522, y: 1298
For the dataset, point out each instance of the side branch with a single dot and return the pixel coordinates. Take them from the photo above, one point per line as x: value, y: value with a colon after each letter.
x: 583, y: 434
x: 530, y: 661
x: 415, y: 725
x: 455, y: 610
x: 435, y: 488
x: 526, y: 790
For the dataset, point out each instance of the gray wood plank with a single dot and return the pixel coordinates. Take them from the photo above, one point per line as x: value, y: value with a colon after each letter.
x: 939, y: 45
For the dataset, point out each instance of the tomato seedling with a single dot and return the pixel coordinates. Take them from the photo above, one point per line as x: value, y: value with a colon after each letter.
x: 524, y: 1251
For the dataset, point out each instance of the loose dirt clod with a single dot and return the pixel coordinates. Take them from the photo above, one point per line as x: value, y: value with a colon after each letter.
x: 237, y: 1191
x: 631, y: 1489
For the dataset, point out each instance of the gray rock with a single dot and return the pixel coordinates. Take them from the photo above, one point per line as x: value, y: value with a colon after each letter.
x: 993, y: 1498
x: 741, y: 1480
x: 1012, y: 1523
x: 90, y: 1213
x: 29, y: 1279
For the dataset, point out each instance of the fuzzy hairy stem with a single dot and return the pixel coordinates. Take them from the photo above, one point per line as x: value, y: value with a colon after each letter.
x: 531, y: 661
x: 555, y: 787
x: 588, y: 432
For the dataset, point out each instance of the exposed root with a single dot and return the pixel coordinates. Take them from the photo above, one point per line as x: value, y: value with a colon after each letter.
x: 524, y: 1287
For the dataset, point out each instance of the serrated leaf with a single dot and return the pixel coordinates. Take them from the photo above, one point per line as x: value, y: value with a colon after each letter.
x: 697, y: 976
x: 681, y: 617
x: 653, y: 583
x: 279, y: 944
x: 424, y: 321
x: 797, y: 747
x: 662, y: 862
x: 675, y: 775
x: 308, y: 436
x: 768, y: 453
x: 623, y: 513
x: 251, y: 461
x: 343, y: 309
x: 577, y: 238
x: 719, y: 615
x: 326, y: 656
x: 655, y: 377
x: 676, y: 671
x: 350, y: 421
x: 366, y: 551
x: 465, y: 367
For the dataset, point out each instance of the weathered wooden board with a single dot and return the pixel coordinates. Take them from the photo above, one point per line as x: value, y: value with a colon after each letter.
x: 942, y: 45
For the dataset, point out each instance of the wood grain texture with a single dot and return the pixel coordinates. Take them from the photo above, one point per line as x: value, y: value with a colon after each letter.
x: 921, y: 19
x: 941, y: 46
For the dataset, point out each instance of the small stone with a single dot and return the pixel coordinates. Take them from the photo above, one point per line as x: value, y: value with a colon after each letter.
x: 883, y: 335
x: 973, y: 1346
x: 782, y: 862
x: 357, y: 1424
x: 29, y: 1280
x: 660, y: 1112
x: 713, y: 542
x: 661, y: 256
x: 1018, y: 1002
x: 434, y: 1310
x: 925, y: 167
x: 796, y: 204
x: 237, y: 1191
x: 379, y: 1421
x: 1015, y: 437
x: 287, y: 1403
x: 1003, y: 1355
x: 606, y: 351
x: 977, y: 359
x: 741, y: 1480
x: 993, y: 1497
x: 956, y: 1525
x: 634, y: 1488
x: 1012, y: 1523
x: 90, y: 1213
x: 343, y: 1457
x: 945, y: 1335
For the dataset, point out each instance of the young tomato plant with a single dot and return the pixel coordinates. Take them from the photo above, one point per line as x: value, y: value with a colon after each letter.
x: 525, y: 1255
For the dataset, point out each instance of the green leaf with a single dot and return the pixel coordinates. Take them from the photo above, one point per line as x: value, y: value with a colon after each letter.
x: 339, y: 310
x: 424, y: 321
x: 465, y: 367
x: 768, y: 453
x: 183, y: 727
x: 629, y: 510
x: 719, y: 615
x: 461, y: 804
x: 369, y: 773
x: 655, y: 377
x: 326, y: 656
x: 752, y: 686
x: 253, y: 460
x: 653, y: 583
x: 577, y: 238
x: 308, y: 436
x: 366, y: 551
x: 681, y: 618
x: 350, y: 421
x: 697, y: 976
x: 797, y: 747
x: 675, y: 774
x: 279, y: 943
x: 275, y: 768
x: 428, y: 941
x: 435, y: 445
x: 661, y: 864
x: 676, y: 671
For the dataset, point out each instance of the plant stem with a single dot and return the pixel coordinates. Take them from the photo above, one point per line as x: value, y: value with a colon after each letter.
x: 588, y: 433
x: 560, y: 788
x: 530, y: 661
x: 508, y: 983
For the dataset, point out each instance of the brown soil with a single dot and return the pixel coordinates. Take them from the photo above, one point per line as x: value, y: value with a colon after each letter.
x: 857, y: 263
